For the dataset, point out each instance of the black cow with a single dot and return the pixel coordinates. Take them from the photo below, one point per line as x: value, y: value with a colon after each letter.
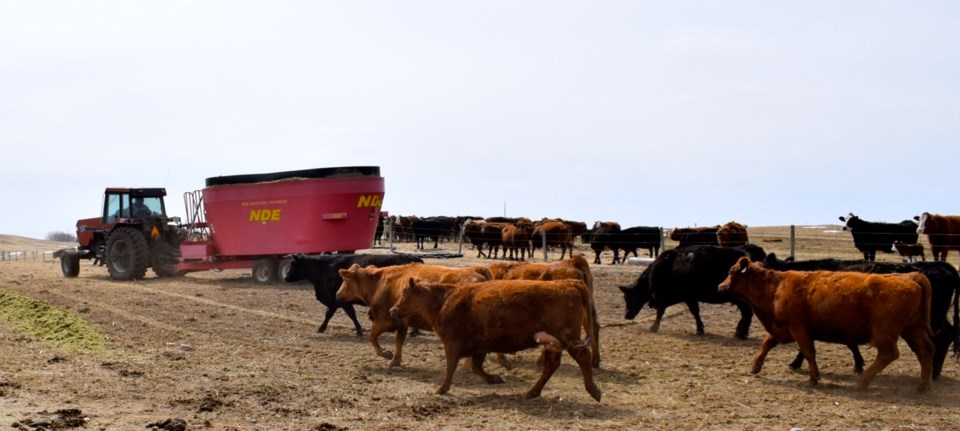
x: 690, y: 236
x: 378, y: 234
x: 689, y: 275
x: 432, y: 227
x: 632, y: 238
x: 944, y: 279
x: 870, y: 236
x: 603, y: 235
x: 322, y: 272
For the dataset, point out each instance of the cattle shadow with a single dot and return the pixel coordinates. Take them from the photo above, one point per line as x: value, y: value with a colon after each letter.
x: 890, y: 389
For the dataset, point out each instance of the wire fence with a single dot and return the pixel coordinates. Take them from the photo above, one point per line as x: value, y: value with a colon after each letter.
x: 15, y: 255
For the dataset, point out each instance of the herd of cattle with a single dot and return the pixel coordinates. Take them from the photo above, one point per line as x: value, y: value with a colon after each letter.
x: 522, y: 236
x: 508, y: 306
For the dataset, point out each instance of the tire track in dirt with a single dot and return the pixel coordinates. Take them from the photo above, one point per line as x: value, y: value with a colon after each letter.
x: 261, y: 313
x: 173, y: 328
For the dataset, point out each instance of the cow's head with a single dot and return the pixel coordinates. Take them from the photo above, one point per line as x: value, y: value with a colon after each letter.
x: 848, y: 221
x: 295, y: 271
x: 921, y: 221
x: 738, y: 272
x: 348, y: 289
x: 637, y: 295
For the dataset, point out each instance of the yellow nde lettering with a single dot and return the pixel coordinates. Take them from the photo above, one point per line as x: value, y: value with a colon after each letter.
x: 363, y: 202
x: 265, y: 215
x: 369, y: 201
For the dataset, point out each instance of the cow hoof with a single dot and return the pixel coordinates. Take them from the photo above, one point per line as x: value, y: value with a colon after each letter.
x: 359, y: 333
x: 595, y: 393
x: 386, y: 354
x: 531, y: 395
x: 756, y: 368
x: 494, y: 380
x: 923, y: 388
x: 442, y: 391
x: 321, y: 329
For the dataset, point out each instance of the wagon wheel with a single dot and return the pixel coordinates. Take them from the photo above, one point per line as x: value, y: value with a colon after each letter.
x: 127, y: 254
x: 70, y: 263
x: 283, y: 268
x: 265, y: 271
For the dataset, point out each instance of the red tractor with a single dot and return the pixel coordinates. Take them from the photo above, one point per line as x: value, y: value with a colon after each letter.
x: 133, y: 233
x: 255, y: 221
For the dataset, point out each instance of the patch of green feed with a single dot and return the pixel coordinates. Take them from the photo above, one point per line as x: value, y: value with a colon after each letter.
x: 45, y: 322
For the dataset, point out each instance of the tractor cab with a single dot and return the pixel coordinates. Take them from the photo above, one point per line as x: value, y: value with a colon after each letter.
x: 133, y: 203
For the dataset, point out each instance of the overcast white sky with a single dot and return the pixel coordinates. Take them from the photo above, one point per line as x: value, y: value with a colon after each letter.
x: 667, y: 113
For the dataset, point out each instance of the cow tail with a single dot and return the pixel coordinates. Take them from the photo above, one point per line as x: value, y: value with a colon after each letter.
x: 591, y: 323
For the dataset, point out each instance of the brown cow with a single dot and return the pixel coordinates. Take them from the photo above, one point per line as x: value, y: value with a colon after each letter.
x: 575, y: 268
x: 516, y: 238
x: 492, y: 234
x: 943, y: 233
x: 473, y: 232
x: 732, y: 234
x: 556, y: 233
x: 504, y: 316
x: 909, y: 252
x: 838, y: 307
x: 379, y: 288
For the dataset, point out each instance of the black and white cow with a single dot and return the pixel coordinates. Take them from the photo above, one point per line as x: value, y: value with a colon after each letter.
x: 323, y: 272
x: 870, y: 236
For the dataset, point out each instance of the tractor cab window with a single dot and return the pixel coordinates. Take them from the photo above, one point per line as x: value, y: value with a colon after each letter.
x: 147, y: 206
x: 118, y: 205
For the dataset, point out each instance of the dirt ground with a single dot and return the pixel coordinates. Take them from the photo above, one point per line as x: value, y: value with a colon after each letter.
x: 214, y: 350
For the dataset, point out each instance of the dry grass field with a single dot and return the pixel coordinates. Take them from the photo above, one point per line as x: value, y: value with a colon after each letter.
x: 220, y: 352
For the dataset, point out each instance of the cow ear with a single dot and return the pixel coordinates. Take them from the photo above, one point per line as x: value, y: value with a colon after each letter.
x: 743, y: 264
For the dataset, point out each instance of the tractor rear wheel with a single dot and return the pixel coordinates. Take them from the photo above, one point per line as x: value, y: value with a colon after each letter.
x: 70, y: 263
x: 128, y: 255
x: 265, y: 271
x: 164, y: 258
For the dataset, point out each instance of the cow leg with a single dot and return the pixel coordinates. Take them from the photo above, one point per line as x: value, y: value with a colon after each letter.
x: 476, y: 364
x: 352, y: 314
x: 582, y: 355
x: 743, y: 327
x: 656, y: 322
x: 452, y: 359
x: 887, y: 352
x: 376, y: 329
x: 694, y: 307
x: 551, y: 361
x: 595, y: 342
x: 797, y: 361
x: 399, y: 339
x: 616, y: 256
x: 805, y: 343
x: 597, y: 259
x: 326, y: 318
x: 923, y: 347
x: 941, y: 343
x: 857, y: 358
x: 768, y: 343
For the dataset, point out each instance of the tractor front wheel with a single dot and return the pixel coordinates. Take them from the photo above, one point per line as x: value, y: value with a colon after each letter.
x: 128, y: 255
x: 70, y: 263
